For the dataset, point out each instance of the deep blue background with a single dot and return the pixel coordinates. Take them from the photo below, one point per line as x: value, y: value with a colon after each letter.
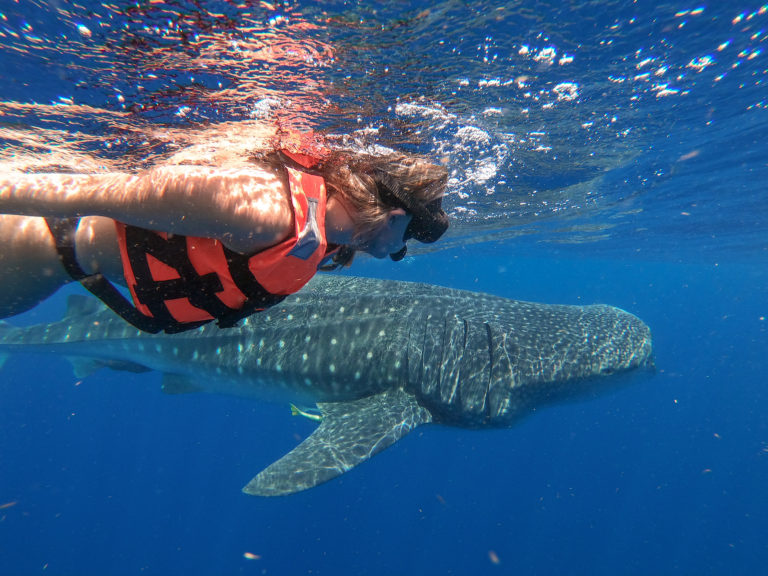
x: 667, y: 475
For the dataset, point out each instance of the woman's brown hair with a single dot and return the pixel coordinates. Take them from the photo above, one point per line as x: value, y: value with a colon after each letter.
x: 357, y: 178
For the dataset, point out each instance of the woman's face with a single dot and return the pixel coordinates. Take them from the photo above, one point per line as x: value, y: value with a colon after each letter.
x: 389, y: 238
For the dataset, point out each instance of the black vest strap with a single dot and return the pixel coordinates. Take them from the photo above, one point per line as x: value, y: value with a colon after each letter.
x: 63, y: 231
x: 258, y: 296
x: 200, y: 290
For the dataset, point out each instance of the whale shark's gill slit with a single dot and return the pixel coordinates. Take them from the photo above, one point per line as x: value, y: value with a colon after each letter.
x: 454, y: 343
x: 487, y: 399
x: 430, y: 370
x: 502, y: 372
x: 474, y: 373
x: 407, y: 362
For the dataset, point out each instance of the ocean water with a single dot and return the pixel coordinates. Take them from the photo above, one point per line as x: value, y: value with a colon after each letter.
x: 599, y: 152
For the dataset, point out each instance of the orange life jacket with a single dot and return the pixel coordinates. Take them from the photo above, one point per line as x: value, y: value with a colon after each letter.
x: 182, y: 282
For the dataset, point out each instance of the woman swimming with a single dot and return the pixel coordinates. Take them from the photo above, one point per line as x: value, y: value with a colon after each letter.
x: 195, y: 242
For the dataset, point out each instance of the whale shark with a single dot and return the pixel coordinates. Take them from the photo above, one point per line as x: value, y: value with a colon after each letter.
x: 377, y: 358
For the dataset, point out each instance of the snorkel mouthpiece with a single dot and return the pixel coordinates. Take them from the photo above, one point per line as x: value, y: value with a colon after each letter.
x: 399, y: 255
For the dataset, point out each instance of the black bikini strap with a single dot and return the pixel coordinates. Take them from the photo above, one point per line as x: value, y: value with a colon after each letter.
x: 63, y: 231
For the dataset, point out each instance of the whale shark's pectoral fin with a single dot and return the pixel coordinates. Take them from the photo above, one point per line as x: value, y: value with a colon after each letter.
x: 350, y: 433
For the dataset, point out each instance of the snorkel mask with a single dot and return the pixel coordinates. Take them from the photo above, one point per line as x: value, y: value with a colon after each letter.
x: 428, y: 220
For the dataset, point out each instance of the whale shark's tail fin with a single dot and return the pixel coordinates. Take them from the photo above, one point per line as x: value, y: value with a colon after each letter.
x: 350, y: 433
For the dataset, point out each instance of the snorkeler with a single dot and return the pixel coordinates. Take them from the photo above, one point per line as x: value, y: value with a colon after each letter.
x: 196, y: 243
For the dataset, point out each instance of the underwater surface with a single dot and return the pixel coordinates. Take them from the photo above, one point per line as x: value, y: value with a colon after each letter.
x: 600, y: 152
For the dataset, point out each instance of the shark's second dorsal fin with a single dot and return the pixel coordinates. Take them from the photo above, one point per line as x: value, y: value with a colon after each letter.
x: 350, y: 433
x: 79, y: 305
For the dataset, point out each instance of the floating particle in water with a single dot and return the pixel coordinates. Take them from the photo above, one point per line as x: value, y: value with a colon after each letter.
x: 700, y: 63
x: 493, y: 557
x: 689, y: 155
x: 85, y: 32
x: 251, y: 556
x: 546, y: 55
x: 566, y: 91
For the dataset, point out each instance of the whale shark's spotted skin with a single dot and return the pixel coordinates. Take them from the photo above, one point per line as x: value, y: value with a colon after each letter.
x: 379, y: 358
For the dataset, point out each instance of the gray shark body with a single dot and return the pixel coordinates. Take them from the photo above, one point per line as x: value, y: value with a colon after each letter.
x: 378, y: 357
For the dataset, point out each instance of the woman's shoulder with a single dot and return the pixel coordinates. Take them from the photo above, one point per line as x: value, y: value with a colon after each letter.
x: 231, y: 144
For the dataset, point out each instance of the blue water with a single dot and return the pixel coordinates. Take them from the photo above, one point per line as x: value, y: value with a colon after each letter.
x: 107, y: 475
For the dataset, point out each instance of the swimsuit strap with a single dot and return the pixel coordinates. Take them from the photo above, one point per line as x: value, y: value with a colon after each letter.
x: 63, y: 231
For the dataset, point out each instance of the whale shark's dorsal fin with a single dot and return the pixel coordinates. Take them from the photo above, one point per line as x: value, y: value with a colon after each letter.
x: 350, y: 433
x: 79, y: 305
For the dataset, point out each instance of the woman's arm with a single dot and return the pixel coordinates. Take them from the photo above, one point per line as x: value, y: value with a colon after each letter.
x: 247, y: 209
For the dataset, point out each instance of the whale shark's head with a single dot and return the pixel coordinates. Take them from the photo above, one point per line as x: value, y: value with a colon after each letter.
x: 480, y: 373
